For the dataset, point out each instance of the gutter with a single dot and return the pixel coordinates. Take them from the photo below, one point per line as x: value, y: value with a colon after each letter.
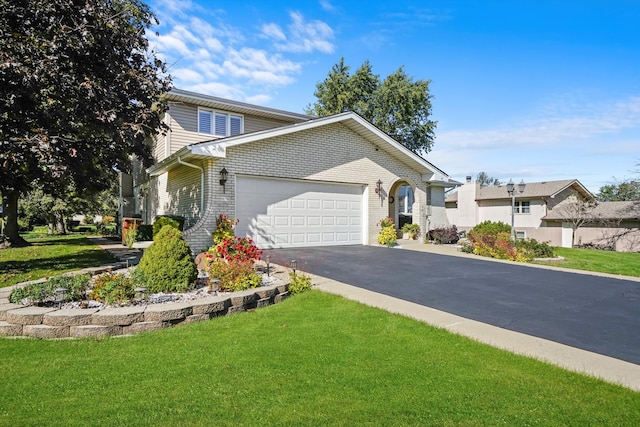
x: 180, y: 161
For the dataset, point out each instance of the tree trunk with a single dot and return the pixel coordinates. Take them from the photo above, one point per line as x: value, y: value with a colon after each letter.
x: 12, y: 236
x: 60, y: 228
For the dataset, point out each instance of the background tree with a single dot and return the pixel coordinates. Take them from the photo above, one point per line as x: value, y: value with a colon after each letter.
x: 577, y: 210
x: 79, y: 95
x: 621, y: 191
x: 485, y: 180
x: 398, y: 105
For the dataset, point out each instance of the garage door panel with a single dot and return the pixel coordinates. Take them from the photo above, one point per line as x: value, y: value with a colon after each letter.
x: 281, y: 213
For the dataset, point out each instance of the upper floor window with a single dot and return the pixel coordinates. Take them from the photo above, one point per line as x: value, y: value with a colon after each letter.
x: 522, y: 207
x: 216, y: 123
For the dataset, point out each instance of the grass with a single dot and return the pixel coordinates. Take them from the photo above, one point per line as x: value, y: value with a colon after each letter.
x: 49, y: 256
x: 314, y: 359
x: 625, y: 263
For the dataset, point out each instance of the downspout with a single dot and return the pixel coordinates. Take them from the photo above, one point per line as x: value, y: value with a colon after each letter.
x: 180, y: 161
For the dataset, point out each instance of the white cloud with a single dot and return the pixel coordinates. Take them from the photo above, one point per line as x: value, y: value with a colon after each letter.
x: 551, y: 129
x: 206, y: 54
x: 303, y: 36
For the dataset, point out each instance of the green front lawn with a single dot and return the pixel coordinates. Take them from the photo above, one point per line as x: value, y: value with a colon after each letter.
x: 625, y: 263
x: 49, y: 256
x: 314, y: 359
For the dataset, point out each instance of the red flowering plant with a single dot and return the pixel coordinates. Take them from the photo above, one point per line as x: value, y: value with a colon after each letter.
x: 385, y: 222
x: 231, y: 258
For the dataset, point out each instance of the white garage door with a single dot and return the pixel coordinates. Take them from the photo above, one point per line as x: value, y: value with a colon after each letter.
x: 278, y: 213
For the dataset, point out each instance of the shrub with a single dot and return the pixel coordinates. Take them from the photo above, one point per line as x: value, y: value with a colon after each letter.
x: 444, y: 235
x: 535, y: 248
x: 130, y: 235
x: 167, y: 265
x: 162, y: 221
x: 38, y: 293
x: 236, y: 249
x: 145, y: 232
x: 108, y: 220
x: 234, y: 275
x: 299, y: 283
x: 112, y: 288
x: 411, y: 229
x: 388, y: 236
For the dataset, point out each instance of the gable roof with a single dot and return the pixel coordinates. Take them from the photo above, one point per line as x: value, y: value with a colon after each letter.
x: 218, y: 147
x: 213, y: 102
x: 532, y: 190
x: 628, y: 210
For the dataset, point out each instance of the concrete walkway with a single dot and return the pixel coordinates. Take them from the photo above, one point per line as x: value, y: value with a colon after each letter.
x: 570, y: 358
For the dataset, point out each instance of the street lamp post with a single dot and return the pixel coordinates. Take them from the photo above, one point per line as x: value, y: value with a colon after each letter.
x: 512, y: 192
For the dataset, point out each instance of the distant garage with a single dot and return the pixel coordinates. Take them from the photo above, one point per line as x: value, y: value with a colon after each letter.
x: 283, y: 213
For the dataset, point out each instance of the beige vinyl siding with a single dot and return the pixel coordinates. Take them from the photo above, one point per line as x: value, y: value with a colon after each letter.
x: 184, y: 126
x: 178, y: 193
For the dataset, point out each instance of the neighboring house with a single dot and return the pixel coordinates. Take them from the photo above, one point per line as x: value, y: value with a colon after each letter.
x: 290, y: 179
x: 541, y: 212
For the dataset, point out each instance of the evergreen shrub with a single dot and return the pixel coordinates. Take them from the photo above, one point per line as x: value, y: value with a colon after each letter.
x: 167, y: 265
x: 162, y: 221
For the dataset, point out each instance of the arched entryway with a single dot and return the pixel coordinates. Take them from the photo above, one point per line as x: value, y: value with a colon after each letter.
x: 401, y: 203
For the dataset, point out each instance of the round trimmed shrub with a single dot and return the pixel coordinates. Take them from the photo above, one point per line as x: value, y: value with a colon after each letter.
x: 167, y: 265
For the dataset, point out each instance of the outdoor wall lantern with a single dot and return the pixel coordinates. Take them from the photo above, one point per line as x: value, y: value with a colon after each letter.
x: 511, y: 189
x: 223, y: 178
x: 379, y: 188
x: 294, y: 266
x: 60, y: 295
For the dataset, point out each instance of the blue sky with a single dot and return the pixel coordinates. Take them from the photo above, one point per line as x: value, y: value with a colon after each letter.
x: 535, y: 90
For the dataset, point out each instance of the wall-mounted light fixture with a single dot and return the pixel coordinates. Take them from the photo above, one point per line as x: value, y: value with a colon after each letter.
x: 223, y: 179
x: 379, y: 188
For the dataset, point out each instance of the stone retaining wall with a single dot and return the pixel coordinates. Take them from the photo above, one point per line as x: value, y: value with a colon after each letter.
x: 48, y: 322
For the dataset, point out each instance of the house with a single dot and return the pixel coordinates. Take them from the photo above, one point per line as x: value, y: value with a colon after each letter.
x: 291, y: 180
x: 548, y: 211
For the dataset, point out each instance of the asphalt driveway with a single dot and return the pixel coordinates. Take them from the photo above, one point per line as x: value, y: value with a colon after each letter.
x: 592, y: 313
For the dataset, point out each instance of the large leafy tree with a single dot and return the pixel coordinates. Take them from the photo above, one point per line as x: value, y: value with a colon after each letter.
x: 397, y: 105
x: 79, y: 95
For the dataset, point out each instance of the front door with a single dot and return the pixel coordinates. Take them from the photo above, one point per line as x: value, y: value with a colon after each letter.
x: 404, y: 202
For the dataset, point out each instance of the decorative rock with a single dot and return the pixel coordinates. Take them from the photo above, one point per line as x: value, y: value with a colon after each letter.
x: 94, y: 331
x: 118, y: 316
x: 6, y: 307
x: 211, y: 305
x: 162, y: 312
x: 136, y: 328
x: 27, y: 315
x: 69, y: 317
x: 9, y: 329
x: 45, y: 331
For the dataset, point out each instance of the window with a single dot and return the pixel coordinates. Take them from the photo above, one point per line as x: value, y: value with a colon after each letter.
x: 218, y: 124
x: 522, y: 207
x: 520, y: 235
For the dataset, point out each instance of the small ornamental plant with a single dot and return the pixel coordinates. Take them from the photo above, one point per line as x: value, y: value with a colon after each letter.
x: 225, y: 228
x: 231, y: 259
x: 387, y: 236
